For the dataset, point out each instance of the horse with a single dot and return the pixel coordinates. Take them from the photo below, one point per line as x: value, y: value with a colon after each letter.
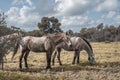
x: 8, y: 42
x: 45, y: 43
x: 78, y: 44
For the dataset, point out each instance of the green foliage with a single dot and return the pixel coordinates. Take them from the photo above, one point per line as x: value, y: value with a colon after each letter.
x: 5, y: 30
x: 49, y: 25
x: 101, y: 33
x: 2, y: 19
x: 36, y: 33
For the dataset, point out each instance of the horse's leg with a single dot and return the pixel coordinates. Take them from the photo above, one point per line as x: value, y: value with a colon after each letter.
x: 1, y: 60
x: 2, y: 64
x: 54, y: 55
x: 75, y: 55
x: 48, y: 57
x: 58, y: 56
x: 78, y: 55
x: 25, y: 58
x: 20, y: 61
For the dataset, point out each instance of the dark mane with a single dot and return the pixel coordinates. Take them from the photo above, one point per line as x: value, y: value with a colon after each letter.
x: 88, y: 43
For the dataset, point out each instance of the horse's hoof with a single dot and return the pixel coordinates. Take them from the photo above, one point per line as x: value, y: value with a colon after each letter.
x: 78, y: 62
x: 60, y: 64
x: 92, y: 63
x: 48, y: 68
x: 27, y: 68
x: 73, y: 63
x: 53, y: 64
x: 21, y: 69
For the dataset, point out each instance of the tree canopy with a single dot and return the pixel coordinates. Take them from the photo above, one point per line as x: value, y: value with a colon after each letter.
x: 49, y: 25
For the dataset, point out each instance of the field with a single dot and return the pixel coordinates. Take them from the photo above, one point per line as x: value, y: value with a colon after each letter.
x: 107, y: 66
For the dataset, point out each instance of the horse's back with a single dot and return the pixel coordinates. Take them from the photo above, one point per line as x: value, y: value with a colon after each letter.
x: 34, y: 39
x: 77, y: 44
x: 76, y: 41
x: 36, y: 44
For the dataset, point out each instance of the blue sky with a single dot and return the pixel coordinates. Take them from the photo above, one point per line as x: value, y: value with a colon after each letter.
x: 73, y: 14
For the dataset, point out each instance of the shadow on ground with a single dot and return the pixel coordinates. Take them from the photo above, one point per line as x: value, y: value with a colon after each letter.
x: 69, y: 67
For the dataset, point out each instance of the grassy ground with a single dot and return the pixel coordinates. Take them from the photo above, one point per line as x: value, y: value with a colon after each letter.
x: 107, y: 66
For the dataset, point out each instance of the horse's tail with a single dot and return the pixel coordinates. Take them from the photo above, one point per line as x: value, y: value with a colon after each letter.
x: 15, y: 50
x: 88, y: 43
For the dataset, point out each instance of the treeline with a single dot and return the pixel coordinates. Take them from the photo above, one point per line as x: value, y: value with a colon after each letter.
x: 102, y: 33
x: 99, y: 33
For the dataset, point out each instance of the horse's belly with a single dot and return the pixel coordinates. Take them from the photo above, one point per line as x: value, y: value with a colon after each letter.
x: 70, y: 49
x: 37, y: 49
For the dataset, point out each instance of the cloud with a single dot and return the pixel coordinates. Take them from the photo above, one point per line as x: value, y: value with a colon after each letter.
x: 111, y: 18
x: 27, y: 16
x: 74, y: 7
x: 73, y: 14
x: 22, y: 2
x: 77, y: 22
x: 110, y: 14
x: 23, y: 17
x: 117, y: 19
x: 108, y: 5
x: 45, y: 8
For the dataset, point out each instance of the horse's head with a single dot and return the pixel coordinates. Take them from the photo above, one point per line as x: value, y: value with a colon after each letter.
x: 91, y: 59
x: 89, y: 50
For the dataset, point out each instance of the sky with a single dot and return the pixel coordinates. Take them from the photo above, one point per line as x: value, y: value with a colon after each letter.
x: 73, y: 14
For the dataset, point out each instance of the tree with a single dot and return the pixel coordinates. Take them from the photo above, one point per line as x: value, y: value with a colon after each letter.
x: 100, y: 26
x: 70, y: 32
x: 3, y: 19
x: 49, y: 25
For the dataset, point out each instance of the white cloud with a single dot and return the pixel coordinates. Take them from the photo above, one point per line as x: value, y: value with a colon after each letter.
x: 29, y: 2
x: 74, y: 7
x: 77, y: 22
x: 22, y: 2
x: 28, y: 16
x: 72, y: 13
x: 108, y: 5
x: 45, y: 8
x: 110, y: 14
x: 117, y: 19
x: 24, y: 17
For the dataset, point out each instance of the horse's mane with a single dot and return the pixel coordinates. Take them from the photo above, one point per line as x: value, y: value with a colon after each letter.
x: 88, y: 43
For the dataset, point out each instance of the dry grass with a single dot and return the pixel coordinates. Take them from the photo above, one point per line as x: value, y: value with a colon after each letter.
x: 107, y: 66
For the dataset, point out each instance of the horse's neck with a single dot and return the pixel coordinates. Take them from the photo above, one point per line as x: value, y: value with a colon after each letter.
x: 57, y: 39
x: 88, y: 49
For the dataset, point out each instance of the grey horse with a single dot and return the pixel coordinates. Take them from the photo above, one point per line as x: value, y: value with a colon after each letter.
x: 78, y: 44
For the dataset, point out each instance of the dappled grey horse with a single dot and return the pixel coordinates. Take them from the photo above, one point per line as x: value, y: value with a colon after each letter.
x: 45, y: 43
x: 78, y: 44
x: 8, y: 42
